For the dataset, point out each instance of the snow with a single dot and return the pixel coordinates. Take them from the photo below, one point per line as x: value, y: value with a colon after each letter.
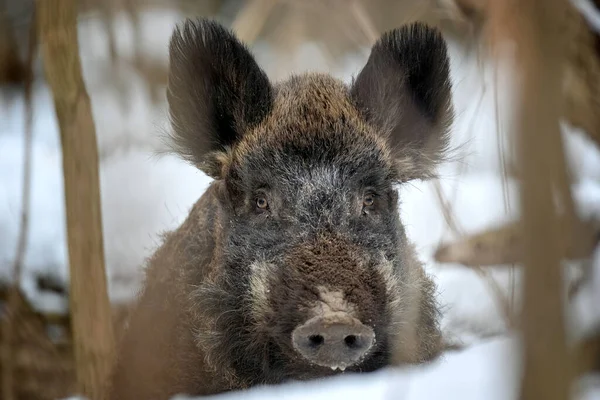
x: 487, y: 370
x: 143, y: 195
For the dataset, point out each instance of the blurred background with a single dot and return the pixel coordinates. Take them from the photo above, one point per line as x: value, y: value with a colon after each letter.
x: 123, y: 46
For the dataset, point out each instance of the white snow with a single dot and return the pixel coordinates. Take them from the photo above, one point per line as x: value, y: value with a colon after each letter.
x: 487, y: 370
x: 143, y: 195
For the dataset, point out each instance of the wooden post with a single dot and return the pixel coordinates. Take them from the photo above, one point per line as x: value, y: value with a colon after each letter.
x: 89, y: 303
x: 537, y: 27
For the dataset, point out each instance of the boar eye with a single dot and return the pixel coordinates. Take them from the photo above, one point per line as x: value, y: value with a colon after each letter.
x: 262, y: 203
x: 368, y: 202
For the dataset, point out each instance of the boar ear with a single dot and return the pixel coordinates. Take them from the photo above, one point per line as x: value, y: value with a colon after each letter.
x: 404, y: 91
x: 216, y: 92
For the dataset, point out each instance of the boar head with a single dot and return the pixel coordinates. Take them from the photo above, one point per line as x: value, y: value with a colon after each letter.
x: 313, y: 267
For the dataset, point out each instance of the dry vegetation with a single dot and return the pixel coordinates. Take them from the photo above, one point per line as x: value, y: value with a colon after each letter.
x: 565, y: 67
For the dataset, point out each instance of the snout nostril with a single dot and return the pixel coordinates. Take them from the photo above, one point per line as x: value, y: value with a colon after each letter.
x: 316, y: 340
x: 335, y: 340
x: 350, y: 340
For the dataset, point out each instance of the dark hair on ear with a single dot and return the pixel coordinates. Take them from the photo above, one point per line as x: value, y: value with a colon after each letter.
x: 404, y: 90
x: 216, y: 92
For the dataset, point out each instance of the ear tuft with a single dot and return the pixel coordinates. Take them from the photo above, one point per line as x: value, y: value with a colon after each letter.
x: 216, y: 92
x: 404, y: 90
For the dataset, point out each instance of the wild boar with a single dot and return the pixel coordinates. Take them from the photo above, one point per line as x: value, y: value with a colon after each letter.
x: 294, y: 264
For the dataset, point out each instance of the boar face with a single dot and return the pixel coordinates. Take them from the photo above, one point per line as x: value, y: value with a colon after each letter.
x: 311, y: 266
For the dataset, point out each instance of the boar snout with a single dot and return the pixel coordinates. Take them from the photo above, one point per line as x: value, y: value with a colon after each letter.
x: 335, y: 340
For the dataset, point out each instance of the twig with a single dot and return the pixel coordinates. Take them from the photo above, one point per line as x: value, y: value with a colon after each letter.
x: 484, y: 275
x: 582, y: 78
x: 8, y: 326
x: 504, y: 245
x: 446, y: 209
x: 581, y: 85
x: 107, y: 17
x: 590, y: 12
x: 359, y: 13
x: 93, y: 338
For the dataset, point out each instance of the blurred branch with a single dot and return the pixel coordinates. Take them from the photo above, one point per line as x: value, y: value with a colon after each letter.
x: 446, y: 209
x: 154, y: 74
x: 581, y: 80
x: 11, y: 315
x: 582, y: 76
x: 107, y: 11
x: 252, y: 18
x: 504, y: 245
x: 89, y: 304
x: 363, y: 19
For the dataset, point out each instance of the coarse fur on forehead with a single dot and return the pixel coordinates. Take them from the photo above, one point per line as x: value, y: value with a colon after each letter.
x: 313, y: 121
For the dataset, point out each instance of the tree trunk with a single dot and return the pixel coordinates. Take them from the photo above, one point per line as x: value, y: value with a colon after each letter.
x: 89, y: 303
x: 537, y: 28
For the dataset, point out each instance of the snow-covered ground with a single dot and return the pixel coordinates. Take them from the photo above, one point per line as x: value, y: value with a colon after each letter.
x: 143, y: 195
x: 488, y: 370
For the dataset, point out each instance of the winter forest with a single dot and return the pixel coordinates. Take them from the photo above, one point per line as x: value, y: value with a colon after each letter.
x: 508, y: 229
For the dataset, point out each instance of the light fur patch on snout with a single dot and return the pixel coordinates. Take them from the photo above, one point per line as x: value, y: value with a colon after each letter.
x: 391, y: 280
x: 259, y: 288
x: 404, y: 298
x: 332, y: 302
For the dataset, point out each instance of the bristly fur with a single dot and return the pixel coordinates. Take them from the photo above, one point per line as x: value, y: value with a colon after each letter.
x: 405, y: 91
x: 226, y: 289
x: 232, y: 95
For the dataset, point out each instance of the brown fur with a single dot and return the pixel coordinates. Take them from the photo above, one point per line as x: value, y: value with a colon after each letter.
x: 157, y: 365
x: 225, y: 290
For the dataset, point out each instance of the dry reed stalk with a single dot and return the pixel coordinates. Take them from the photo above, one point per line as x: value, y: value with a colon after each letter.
x: 108, y: 21
x: 252, y: 18
x: 389, y: 14
x: 332, y: 24
x: 287, y: 35
x: 587, y: 355
x: 446, y: 208
x: 11, y: 315
x: 581, y: 82
x: 343, y: 19
x: 363, y: 19
x: 108, y: 10
x: 502, y: 301
x: 578, y: 234
x: 463, y: 10
x: 89, y: 304
x: 131, y: 8
x: 535, y: 29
